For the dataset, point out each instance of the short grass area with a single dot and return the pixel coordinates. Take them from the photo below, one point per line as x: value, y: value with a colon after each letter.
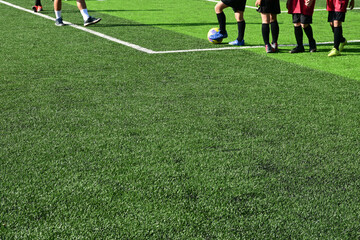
x: 195, y: 18
x: 100, y: 141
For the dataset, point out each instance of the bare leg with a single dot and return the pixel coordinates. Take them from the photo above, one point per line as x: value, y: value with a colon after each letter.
x: 81, y: 4
x: 57, y: 5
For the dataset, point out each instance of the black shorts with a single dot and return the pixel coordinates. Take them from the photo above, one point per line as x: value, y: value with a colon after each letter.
x: 237, y: 5
x: 301, y: 18
x: 339, y: 16
x: 270, y: 6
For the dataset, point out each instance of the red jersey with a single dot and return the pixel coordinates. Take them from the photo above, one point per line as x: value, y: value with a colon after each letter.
x: 336, y: 5
x: 298, y: 6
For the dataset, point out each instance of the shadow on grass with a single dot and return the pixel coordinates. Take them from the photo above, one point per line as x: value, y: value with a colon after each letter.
x: 346, y: 49
x: 168, y: 24
x: 356, y: 50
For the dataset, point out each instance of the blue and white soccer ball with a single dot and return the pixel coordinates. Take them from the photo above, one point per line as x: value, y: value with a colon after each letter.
x: 212, y: 32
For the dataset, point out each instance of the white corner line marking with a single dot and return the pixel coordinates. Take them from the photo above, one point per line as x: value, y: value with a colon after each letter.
x: 146, y: 50
x: 131, y: 45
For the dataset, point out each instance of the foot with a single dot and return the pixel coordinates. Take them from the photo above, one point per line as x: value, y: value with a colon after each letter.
x: 334, y: 52
x: 269, y: 48
x: 91, y: 20
x: 298, y: 49
x: 312, y: 46
x: 34, y: 8
x: 342, y: 45
x: 275, y: 46
x: 59, y: 22
x: 237, y: 43
x: 39, y: 8
x: 218, y: 36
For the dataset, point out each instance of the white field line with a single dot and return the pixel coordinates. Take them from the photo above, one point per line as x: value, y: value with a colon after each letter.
x: 243, y: 47
x: 146, y: 50
x: 134, y: 46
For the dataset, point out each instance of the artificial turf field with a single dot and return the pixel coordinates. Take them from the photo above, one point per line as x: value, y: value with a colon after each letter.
x: 102, y: 141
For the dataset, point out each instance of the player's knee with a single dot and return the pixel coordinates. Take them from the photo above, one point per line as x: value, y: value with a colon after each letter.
x: 273, y: 17
x: 219, y: 8
x: 304, y: 25
x: 239, y: 16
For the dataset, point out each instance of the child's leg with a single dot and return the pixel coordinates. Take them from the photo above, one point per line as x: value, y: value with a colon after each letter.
x: 265, y: 28
x: 88, y: 20
x: 57, y: 8
x: 81, y: 4
x: 332, y: 28
x: 57, y: 5
x: 298, y: 35
x: 274, y: 28
x: 219, y: 10
x: 338, y: 33
x: 308, y: 31
x: 239, y: 16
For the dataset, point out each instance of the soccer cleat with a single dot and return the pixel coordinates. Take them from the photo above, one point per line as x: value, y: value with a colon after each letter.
x: 237, y: 43
x: 269, y: 48
x: 59, y: 22
x: 342, y: 45
x: 334, y: 52
x: 297, y: 49
x: 91, y: 20
x: 34, y: 8
x: 218, y: 36
x: 275, y: 46
x: 312, y: 46
x: 39, y: 8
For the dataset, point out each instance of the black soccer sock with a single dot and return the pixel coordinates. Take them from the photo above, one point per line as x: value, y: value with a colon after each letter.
x: 342, y: 37
x: 309, y: 33
x: 274, y: 31
x: 241, y: 30
x: 222, y: 22
x: 37, y: 3
x: 337, y: 36
x: 299, y: 36
x: 265, y: 30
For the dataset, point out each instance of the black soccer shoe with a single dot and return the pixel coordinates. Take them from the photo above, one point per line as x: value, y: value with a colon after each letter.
x: 59, y: 22
x: 91, y: 20
x: 298, y: 49
x: 269, y: 48
x: 312, y: 46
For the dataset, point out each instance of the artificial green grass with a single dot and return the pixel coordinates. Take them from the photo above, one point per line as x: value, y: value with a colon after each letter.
x: 101, y: 141
x: 195, y: 18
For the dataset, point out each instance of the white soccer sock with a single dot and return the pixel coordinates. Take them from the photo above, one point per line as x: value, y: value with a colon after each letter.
x: 58, y: 14
x: 85, y: 14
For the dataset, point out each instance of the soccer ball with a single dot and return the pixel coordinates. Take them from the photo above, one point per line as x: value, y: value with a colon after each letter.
x: 211, y: 32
